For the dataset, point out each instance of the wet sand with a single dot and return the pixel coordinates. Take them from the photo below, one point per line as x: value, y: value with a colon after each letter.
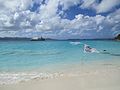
x: 99, y: 76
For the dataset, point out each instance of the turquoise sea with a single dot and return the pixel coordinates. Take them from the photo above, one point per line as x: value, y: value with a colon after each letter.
x: 24, y: 56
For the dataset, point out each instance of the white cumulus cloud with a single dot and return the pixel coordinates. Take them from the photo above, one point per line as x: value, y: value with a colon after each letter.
x: 16, y: 19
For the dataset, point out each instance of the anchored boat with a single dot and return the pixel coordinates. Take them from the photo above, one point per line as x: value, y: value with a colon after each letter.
x: 37, y: 39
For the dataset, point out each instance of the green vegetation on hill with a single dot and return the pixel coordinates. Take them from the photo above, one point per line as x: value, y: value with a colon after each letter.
x: 118, y: 37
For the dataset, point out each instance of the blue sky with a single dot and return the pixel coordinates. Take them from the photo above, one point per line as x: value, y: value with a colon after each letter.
x: 60, y: 19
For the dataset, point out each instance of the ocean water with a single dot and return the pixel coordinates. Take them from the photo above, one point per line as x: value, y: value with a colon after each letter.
x: 19, y: 58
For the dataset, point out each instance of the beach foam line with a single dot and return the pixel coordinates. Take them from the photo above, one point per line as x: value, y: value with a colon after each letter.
x: 12, y: 78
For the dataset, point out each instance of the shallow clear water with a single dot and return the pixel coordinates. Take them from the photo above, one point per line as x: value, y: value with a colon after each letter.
x: 25, y: 60
x: 28, y: 55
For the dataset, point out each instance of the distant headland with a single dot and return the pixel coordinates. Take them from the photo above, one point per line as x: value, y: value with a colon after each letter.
x: 24, y: 39
x: 117, y: 37
x: 48, y: 39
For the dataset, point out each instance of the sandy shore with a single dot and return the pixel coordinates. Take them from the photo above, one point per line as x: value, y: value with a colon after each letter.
x: 97, y: 77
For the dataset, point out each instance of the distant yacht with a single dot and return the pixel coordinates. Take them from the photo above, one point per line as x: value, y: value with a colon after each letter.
x: 37, y: 39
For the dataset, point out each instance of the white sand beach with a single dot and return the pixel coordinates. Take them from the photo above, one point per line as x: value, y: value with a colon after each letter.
x: 99, y: 76
x: 59, y: 44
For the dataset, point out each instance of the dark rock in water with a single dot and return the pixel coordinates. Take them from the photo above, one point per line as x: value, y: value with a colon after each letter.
x: 118, y: 37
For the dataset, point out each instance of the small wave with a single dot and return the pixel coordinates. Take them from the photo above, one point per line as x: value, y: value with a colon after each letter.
x: 29, y: 53
x: 115, y: 54
x: 45, y: 53
x: 75, y: 43
x: 12, y: 78
x: 112, y: 54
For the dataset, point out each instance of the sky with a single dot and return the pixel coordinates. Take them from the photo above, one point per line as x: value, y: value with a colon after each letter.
x: 60, y: 19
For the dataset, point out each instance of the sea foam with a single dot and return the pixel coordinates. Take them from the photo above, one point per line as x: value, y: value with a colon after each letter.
x: 12, y: 78
x: 75, y: 43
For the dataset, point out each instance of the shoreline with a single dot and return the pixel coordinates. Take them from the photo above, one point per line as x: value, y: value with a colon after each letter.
x: 96, y: 76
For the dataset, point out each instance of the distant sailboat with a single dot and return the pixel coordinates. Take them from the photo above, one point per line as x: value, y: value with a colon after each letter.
x: 37, y: 39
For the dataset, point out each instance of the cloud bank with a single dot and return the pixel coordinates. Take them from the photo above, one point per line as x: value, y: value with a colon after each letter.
x: 28, y: 18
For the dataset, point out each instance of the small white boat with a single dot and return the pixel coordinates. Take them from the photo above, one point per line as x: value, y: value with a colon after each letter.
x: 37, y: 39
